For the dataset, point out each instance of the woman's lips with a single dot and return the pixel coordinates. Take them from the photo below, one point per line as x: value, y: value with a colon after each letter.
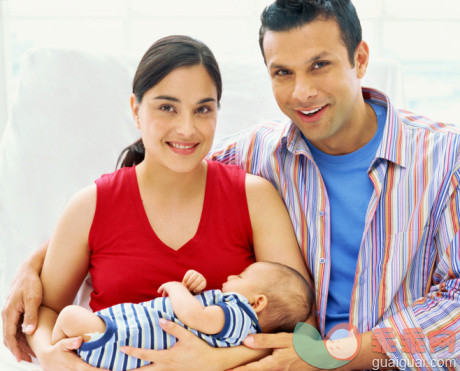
x: 182, y: 148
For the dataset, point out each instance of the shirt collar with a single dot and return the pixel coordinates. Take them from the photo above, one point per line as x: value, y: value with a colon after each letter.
x: 393, y: 140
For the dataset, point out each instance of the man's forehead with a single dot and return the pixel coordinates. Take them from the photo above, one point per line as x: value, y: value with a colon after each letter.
x: 305, y: 44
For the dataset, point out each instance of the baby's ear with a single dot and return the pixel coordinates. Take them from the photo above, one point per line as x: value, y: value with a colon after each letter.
x: 260, y: 303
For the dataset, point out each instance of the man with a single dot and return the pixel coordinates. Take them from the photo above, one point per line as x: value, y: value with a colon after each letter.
x: 372, y: 193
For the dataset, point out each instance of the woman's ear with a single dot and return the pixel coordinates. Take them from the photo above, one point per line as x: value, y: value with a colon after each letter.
x: 259, y: 303
x: 135, y: 109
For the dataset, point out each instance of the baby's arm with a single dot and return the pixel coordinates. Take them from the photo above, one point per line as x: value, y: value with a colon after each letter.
x: 208, y: 320
x: 76, y: 321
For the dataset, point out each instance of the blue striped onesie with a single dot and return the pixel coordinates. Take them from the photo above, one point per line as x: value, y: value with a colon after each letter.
x: 137, y: 325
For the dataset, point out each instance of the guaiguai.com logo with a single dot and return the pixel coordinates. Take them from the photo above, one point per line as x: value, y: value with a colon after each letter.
x: 327, y: 353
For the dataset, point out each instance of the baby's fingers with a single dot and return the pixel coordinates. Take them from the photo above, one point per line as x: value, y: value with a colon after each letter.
x: 191, y: 280
x: 201, y: 286
x: 161, y: 290
x: 188, y: 275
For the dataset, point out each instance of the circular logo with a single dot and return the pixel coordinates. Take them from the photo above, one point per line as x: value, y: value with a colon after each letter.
x: 343, y: 341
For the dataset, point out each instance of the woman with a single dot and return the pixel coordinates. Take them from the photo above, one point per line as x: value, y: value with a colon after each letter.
x: 167, y: 209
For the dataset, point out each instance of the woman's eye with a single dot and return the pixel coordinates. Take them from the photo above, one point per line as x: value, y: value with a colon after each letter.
x: 203, y: 110
x: 167, y: 108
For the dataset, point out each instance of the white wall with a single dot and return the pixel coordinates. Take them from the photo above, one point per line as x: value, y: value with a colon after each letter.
x: 423, y: 38
x: 3, y: 70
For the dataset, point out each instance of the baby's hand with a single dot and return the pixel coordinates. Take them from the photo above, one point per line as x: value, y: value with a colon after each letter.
x: 194, y: 281
x: 167, y: 287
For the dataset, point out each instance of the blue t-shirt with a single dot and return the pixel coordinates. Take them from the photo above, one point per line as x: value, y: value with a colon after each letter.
x: 349, y: 190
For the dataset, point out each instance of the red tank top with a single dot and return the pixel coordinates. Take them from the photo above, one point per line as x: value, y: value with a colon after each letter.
x: 129, y: 262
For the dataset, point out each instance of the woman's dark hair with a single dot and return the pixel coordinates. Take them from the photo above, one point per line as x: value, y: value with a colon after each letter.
x: 284, y: 15
x: 163, y: 57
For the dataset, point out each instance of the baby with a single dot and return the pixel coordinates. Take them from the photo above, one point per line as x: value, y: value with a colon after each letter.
x: 266, y: 297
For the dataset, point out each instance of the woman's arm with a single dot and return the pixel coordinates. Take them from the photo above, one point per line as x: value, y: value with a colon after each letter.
x: 273, y: 234
x: 65, y: 266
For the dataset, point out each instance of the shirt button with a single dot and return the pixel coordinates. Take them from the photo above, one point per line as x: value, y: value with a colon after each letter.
x: 317, y: 312
x: 321, y: 213
x: 322, y: 260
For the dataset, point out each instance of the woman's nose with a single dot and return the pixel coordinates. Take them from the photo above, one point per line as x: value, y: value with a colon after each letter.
x: 186, y: 127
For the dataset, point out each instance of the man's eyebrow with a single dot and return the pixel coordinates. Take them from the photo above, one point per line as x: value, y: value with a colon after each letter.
x: 313, y: 59
x: 318, y: 57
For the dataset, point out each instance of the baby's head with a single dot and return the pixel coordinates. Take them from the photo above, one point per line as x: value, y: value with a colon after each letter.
x: 279, y: 295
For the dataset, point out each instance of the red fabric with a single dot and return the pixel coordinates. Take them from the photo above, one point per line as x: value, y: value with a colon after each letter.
x: 129, y: 262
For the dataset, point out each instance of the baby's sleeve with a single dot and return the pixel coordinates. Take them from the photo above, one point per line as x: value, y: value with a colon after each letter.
x: 240, y: 321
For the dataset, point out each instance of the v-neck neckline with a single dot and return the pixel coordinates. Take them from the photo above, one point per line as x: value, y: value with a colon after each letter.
x: 204, y: 218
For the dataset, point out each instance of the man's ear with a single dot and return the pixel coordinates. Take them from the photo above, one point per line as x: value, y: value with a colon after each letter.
x: 260, y: 303
x: 135, y: 109
x: 361, y: 59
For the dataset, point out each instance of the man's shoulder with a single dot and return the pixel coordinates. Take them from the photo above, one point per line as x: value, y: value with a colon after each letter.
x: 440, y: 139
x: 416, y: 122
x: 270, y: 131
x: 263, y: 137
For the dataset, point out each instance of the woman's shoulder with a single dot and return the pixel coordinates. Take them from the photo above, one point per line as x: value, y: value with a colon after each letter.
x: 256, y: 184
x: 84, y: 199
x: 116, y: 176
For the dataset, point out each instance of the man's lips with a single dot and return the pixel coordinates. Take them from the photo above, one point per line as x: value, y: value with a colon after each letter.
x: 312, y: 114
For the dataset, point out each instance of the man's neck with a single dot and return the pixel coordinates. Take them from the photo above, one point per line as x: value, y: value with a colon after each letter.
x: 359, y: 131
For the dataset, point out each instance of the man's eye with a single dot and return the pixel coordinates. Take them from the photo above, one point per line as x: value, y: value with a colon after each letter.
x: 319, y: 65
x: 282, y: 72
x: 167, y: 108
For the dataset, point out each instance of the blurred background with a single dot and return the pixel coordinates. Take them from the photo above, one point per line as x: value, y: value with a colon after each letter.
x: 421, y: 35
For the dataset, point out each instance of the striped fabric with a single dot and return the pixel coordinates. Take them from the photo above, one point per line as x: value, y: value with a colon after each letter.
x: 408, y: 269
x: 137, y: 325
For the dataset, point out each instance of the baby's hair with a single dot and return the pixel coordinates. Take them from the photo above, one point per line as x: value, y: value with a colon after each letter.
x: 290, y: 299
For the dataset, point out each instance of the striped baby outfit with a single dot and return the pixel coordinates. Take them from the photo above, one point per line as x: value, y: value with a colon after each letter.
x: 137, y: 325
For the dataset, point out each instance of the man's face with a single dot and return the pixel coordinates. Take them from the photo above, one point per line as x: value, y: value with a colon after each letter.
x: 314, y: 82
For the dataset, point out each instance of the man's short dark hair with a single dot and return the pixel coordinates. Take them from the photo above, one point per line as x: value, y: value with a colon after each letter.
x: 284, y: 15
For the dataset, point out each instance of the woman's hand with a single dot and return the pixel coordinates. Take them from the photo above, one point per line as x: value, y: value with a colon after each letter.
x: 21, y: 306
x: 194, y: 281
x: 189, y: 352
x: 61, y: 356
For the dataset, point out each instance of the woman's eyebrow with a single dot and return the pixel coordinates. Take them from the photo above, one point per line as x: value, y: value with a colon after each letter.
x: 205, y: 100
x: 167, y: 97
x: 172, y: 99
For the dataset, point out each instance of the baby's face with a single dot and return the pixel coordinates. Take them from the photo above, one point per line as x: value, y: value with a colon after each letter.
x: 249, y: 282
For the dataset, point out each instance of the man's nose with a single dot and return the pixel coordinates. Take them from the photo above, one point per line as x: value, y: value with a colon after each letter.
x: 304, y: 88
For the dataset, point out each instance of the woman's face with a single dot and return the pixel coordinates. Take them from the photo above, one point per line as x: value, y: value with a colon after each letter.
x: 177, y: 118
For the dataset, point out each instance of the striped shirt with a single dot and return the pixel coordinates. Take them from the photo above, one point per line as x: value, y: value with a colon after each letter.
x: 137, y: 325
x: 407, y: 278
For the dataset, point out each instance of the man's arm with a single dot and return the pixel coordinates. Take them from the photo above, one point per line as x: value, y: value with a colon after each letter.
x: 427, y: 331
x: 208, y: 320
x: 23, y: 301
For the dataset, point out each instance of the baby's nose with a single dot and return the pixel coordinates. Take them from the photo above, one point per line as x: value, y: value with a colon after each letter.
x: 232, y: 277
